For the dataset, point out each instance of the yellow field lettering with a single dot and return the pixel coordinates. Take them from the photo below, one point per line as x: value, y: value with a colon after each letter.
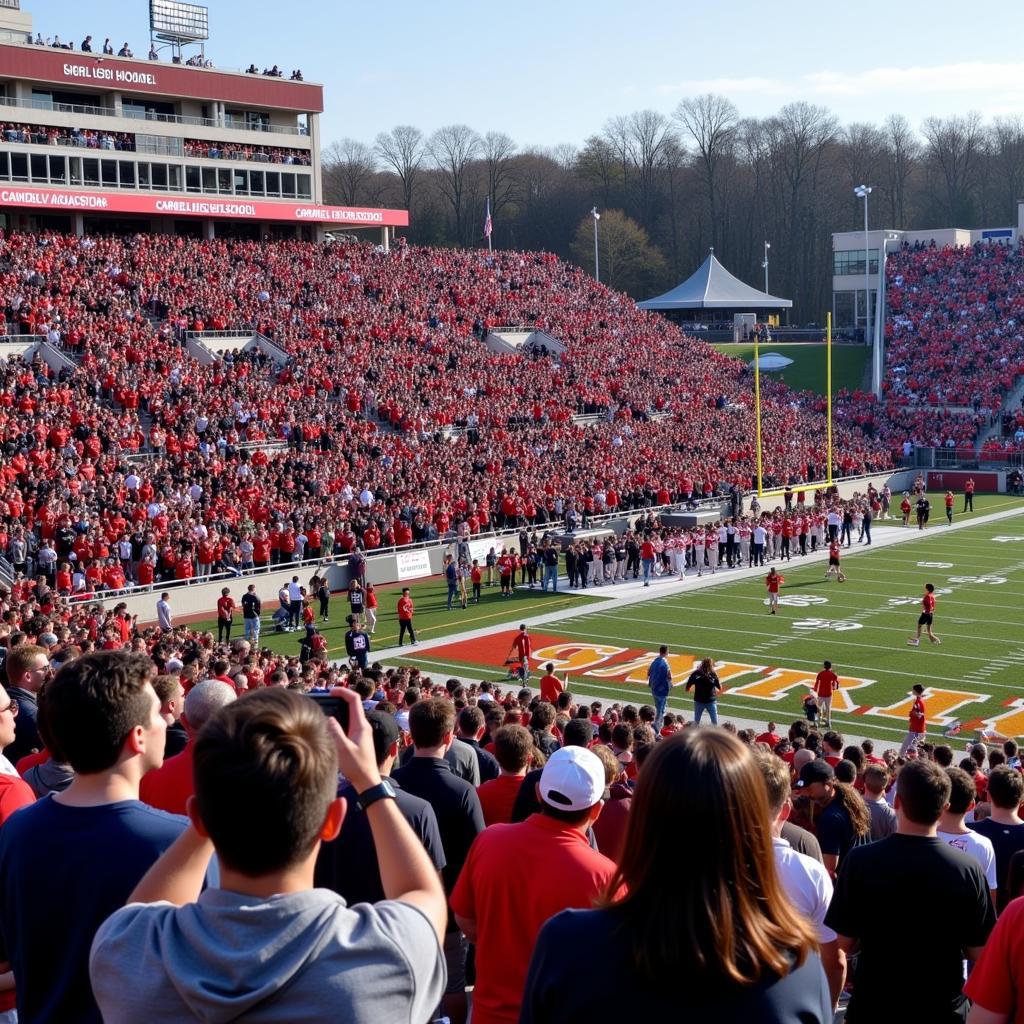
x: 939, y: 705
x: 572, y: 657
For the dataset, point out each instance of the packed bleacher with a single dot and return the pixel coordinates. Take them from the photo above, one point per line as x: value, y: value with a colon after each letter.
x: 955, y: 326
x: 385, y: 353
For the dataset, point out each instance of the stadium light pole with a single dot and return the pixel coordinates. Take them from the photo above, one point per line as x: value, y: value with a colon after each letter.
x: 863, y: 191
x: 878, y: 356
x: 597, y: 263
x: 767, y: 246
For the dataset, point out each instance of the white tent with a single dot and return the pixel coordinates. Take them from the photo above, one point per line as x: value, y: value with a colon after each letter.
x: 712, y: 287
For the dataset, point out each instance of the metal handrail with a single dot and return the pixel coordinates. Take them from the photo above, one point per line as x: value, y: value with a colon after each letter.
x: 230, y: 124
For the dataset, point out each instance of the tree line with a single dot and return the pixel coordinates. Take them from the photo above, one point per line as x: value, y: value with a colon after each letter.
x: 668, y: 187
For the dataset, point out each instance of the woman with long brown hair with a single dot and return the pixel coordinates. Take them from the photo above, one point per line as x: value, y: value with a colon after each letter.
x: 695, y: 924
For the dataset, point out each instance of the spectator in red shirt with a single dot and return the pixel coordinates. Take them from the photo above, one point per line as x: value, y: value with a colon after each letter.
x: 225, y: 615
x: 169, y: 786
x: 550, y: 685
x: 523, y: 647
x: 770, y: 738
x: 503, y: 916
x: 405, y: 613
x: 513, y: 748
x: 826, y: 682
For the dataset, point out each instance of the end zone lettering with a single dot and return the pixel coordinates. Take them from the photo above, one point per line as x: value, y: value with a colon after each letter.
x: 103, y: 74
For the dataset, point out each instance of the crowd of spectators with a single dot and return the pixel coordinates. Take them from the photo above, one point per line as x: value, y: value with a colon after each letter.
x: 955, y: 326
x: 396, y: 415
x: 234, y: 151
x: 86, y: 138
x: 537, y: 828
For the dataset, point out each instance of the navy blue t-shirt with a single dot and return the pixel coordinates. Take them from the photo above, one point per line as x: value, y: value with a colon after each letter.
x: 63, y: 872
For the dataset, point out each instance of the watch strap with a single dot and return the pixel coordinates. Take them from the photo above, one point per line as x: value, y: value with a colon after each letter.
x: 382, y: 791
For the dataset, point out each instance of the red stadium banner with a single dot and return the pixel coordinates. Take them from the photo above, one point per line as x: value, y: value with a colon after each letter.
x: 954, y: 480
x: 68, y: 201
x: 154, y: 78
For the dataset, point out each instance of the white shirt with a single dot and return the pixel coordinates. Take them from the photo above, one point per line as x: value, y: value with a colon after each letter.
x: 979, y: 847
x: 807, y: 884
x: 759, y: 535
x: 294, y: 592
x: 366, y: 497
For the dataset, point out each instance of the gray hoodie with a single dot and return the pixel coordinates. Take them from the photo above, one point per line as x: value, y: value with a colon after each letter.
x: 288, y: 959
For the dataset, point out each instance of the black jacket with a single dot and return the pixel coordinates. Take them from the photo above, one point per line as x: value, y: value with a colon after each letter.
x: 705, y: 686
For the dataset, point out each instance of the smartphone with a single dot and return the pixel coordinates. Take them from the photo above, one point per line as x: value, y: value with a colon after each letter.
x: 333, y: 707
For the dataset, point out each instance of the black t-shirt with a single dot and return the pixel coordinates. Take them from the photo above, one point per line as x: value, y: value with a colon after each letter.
x: 1006, y: 840
x: 456, y: 806
x: 348, y: 864
x: 251, y: 606
x: 705, y: 686
x: 920, y: 879
x: 555, y: 993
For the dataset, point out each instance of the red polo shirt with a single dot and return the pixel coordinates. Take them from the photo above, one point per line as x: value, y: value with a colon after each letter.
x: 563, y: 872
x: 169, y: 786
x: 498, y: 797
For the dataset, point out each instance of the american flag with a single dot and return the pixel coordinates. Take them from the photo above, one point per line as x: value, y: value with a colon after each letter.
x: 488, y: 226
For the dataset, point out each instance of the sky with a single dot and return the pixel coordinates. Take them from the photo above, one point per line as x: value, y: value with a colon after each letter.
x: 553, y: 71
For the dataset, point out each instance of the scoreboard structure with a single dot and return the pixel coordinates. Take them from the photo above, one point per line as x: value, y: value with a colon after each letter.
x: 98, y: 143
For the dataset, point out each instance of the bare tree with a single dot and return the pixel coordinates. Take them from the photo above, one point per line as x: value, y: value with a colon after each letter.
x: 402, y: 149
x: 648, y: 133
x: 597, y: 164
x: 452, y: 149
x: 711, y: 122
x: 348, y: 167
x: 1006, y: 146
x: 902, y: 152
x: 498, y: 150
x: 954, y: 148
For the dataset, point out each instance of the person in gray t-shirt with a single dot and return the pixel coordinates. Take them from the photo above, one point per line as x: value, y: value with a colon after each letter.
x: 265, y: 945
x: 883, y: 817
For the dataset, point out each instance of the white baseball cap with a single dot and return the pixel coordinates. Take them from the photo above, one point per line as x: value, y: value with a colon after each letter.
x: 572, y: 780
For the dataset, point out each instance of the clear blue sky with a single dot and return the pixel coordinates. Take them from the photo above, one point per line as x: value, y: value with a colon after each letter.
x: 550, y: 71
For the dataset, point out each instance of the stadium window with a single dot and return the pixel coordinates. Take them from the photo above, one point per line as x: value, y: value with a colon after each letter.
x: 127, y: 169
x: 852, y: 262
x: 256, y: 186
x: 59, y: 170
x: 192, y: 179
x: 75, y: 167
x: 288, y: 185
x: 174, y: 177
x: 5, y: 168
x: 42, y: 100
x: 143, y: 174
x: 273, y: 183
x: 91, y: 171
x: 39, y: 169
x: 844, y: 309
x: 159, y: 176
x: 109, y: 168
x: 19, y: 167
x: 209, y: 176
x: 241, y: 182
x: 305, y: 190
x: 224, y: 180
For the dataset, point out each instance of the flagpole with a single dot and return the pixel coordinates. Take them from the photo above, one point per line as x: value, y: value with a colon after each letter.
x: 828, y: 385
x: 757, y: 405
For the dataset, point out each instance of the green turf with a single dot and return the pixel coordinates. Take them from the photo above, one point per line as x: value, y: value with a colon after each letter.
x: 979, y: 622
x: 432, y: 618
x: 807, y: 372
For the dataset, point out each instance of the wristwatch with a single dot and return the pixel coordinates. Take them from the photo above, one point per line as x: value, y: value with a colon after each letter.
x: 382, y: 791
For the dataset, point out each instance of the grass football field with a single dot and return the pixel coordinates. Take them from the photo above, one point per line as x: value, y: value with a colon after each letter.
x: 975, y: 677
x: 807, y: 372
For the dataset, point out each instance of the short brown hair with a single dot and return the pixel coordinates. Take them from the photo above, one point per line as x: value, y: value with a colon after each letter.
x: 1005, y: 787
x: 265, y: 773
x: 513, y: 745
x: 963, y: 790
x: 923, y: 791
x: 430, y: 721
x: 93, y: 703
x: 19, y: 658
